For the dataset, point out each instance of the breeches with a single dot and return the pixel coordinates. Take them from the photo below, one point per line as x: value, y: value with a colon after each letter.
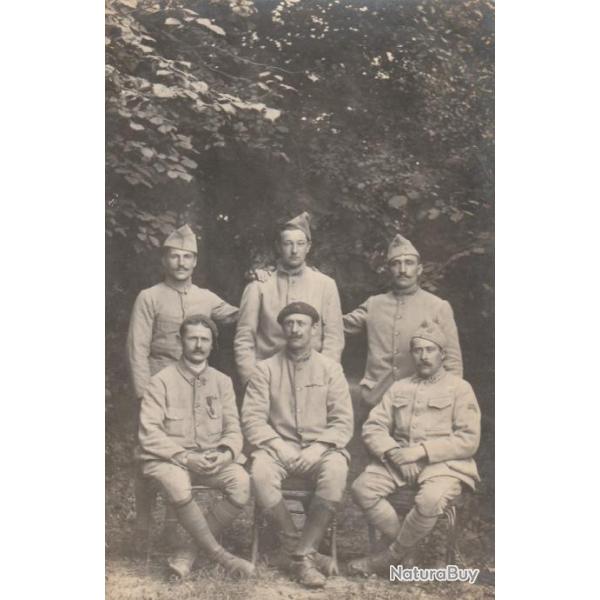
x: 431, y: 499
x: 177, y: 481
x: 328, y: 474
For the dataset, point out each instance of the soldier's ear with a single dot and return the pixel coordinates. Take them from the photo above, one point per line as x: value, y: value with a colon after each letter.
x: 420, y: 269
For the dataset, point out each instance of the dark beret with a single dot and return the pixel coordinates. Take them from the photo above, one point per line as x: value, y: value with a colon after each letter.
x: 298, y: 308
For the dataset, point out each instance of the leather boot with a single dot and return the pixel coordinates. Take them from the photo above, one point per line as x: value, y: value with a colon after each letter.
x: 378, y: 563
x: 305, y: 572
x: 218, y: 517
x: 304, y: 559
x: 182, y: 562
x: 289, y: 536
x: 192, y: 519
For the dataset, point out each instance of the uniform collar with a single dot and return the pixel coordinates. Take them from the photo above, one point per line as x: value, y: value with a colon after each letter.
x: 409, y: 292
x: 300, y: 359
x: 188, y: 374
x: 289, y: 272
x: 430, y: 380
x: 181, y: 290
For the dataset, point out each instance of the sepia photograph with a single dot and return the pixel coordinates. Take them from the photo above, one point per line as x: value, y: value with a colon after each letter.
x: 299, y: 302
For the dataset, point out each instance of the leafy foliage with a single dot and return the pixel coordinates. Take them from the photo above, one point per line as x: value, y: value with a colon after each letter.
x: 375, y: 116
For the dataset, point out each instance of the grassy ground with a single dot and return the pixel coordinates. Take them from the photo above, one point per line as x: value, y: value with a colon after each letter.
x: 130, y: 578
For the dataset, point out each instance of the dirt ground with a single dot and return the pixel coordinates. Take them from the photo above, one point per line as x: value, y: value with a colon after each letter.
x: 131, y: 577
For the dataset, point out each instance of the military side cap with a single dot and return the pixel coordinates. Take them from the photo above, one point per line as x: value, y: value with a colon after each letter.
x: 298, y: 308
x: 430, y: 330
x: 301, y: 222
x: 400, y: 245
x: 182, y: 239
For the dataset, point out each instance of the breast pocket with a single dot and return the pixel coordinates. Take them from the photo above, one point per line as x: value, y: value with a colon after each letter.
x: 439, y: 415
x: 401, y: 412
x: 175, y: 422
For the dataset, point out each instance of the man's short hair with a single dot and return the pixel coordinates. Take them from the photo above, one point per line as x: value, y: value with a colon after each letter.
x: 200, y: 320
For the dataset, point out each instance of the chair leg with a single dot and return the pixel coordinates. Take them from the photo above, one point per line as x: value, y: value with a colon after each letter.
x: 144, y: 493
x: 256, y: 525
x: 372, y: 537
x: 451, y: 515
x: 336, y: 569
x: 148, y: 532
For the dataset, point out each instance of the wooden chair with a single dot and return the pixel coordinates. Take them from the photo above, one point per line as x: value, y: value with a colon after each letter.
x: 301, y: 492
x: 403, y: 500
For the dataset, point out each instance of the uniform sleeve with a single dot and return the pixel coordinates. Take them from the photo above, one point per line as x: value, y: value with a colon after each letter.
x: 232, y: 433
x: 333, y: 326
x: 222, y: 312
x: 355, y: 321
x: 256, y: 408
x: 152, y: 433
x: 340, y: 418
x: 139, y: 338
x: 453, y: 361
x: 244, y: 343
x: 466, y: 430
x: 376, y: 432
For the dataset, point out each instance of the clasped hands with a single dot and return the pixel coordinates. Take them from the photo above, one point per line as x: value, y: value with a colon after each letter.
x: 408, y: 461
x: 208, y: 462
x: 298, y: 461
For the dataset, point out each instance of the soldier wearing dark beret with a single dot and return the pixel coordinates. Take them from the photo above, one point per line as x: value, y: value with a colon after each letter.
x: 297, y: 415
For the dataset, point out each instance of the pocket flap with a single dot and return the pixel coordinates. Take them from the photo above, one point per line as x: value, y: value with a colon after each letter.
x: 440, y: 401
x: 175, y: 414
x: 399, y: 401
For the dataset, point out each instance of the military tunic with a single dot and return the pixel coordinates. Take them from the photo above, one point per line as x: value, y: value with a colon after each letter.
x: 390, y: 320
x: 301, y: 402
x: 441, y: 413
x: 185, y: 411
x: 259, y: 335
x: 153, y: 339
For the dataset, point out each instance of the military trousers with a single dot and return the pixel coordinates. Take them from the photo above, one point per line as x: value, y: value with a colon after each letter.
x: 328, y: 474
x: 177, y: 481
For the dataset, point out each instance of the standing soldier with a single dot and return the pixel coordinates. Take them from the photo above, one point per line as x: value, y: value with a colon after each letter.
x: 391, y: 318
x: 423, y: 434
x: 258, y: 335
x: 153, y: 340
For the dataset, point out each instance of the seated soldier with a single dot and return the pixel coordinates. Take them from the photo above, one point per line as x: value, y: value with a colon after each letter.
x: 297, y: 414
x: 424, y: 433
x: 190, y: 433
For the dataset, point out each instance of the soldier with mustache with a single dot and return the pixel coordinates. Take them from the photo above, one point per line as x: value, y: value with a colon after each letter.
x: 423, y: 434
x: 190, y: 433
x: 389, y: 320
x: 153, y: 341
